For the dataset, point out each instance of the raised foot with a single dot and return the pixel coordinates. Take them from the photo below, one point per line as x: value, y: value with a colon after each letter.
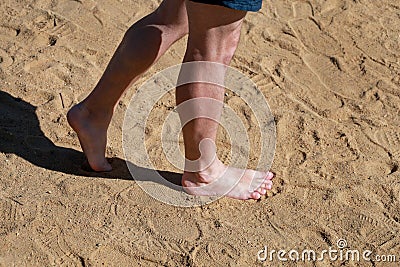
x: 220, y: 180
x: 92, y: 133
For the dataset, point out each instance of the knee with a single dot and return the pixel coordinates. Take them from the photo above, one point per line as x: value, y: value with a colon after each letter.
x: 230, y: 44
x: 218, y: 47
x: 172, y: 17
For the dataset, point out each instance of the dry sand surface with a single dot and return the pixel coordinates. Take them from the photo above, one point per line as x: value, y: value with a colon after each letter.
x: 330, y: 72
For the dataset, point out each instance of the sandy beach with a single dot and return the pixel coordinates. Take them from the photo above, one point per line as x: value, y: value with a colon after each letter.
x: 330, y: 71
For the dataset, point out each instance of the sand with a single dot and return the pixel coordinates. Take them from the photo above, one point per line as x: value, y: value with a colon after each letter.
x: 330, y: 72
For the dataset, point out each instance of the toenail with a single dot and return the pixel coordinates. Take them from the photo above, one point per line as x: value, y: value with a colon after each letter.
x: 263, y: 191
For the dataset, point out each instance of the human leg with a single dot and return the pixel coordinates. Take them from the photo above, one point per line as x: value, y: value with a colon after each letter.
x: 141, y: 47
x: 214, y: 33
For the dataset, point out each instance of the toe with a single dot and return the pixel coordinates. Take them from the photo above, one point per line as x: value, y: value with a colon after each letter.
x: 266, y: 184
x: 262, y: 191
x: 269, y: 186
x: 255, y: 195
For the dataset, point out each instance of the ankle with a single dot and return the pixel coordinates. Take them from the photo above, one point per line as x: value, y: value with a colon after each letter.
x: 95, y: 111
x: 207, y: 172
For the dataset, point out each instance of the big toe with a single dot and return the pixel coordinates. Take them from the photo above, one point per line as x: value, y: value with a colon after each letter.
x: 255, y: 195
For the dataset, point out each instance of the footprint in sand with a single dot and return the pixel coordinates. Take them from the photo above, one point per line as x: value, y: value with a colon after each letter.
x: 215, y: 253
x: 357, y: 228
x: 263, y: 82
x: 295, y: 158
x: 302, y: 9
x: 8, y: 32
x: 5, y: 59
x: 376, y: 231
x: 61, y: 73
x: 241, y: 115
x: 308, y: 90
x: 14, y: 214
x: 309, y: 32
x: 389, y: 197
x: 86, y: 18
x: 368, y: 38
x: 38, y: 66
x: 153, y: 229
x: 389, y: 139
x: 57, y: 250
x: 161, y: 224
x: 281, y: 9
x: 128, y: 202
x: 151, y: 250
x: 95, y: 190
x: 333, y: 6
x: 330, y: 73
x: 109, y: 255
x: 137, y: 234
x: 61, y: 27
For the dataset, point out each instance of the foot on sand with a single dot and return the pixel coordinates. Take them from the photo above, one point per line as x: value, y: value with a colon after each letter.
x: 91, y: 129
x: 221, y: 180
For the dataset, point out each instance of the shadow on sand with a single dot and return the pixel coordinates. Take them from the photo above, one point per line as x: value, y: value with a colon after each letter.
x: 20, y: 134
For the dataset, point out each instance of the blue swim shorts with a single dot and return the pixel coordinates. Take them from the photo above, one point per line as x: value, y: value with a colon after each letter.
x: 246, y: 5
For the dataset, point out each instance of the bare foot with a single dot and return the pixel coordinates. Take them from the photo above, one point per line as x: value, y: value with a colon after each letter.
x: 91, y: 129
x: 220, y: 180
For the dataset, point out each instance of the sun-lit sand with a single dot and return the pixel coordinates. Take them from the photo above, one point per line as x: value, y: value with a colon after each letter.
x: 330, y: 71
